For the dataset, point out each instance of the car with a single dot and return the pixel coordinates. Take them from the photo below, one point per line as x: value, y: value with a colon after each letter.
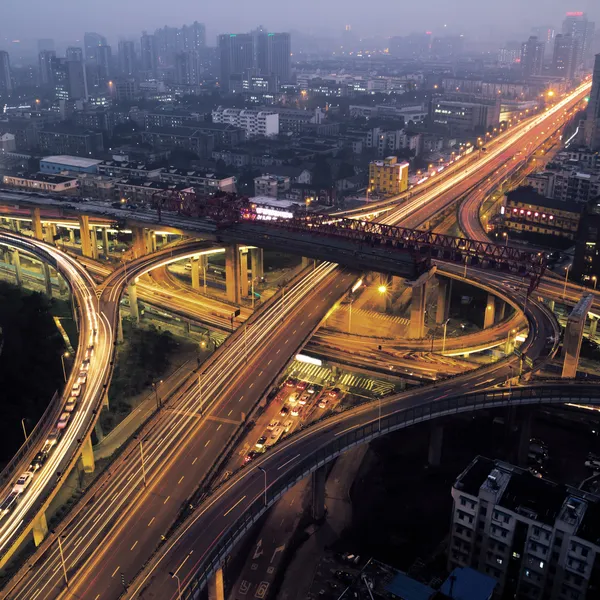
x: 323, y: 403
x: 76, y: 391
x: 250, y: 456
x: 63, y: 421
x: 288, y: 425
x: 295, y: 411
x: 284, y: 411
x: 290, y: 382
x: 9, y: 503
x: 85, y: 366
x: 274, y: 423
x: 260, y: 443
x: 70, y: 405
x: 302, y: 400
x: 53, y: 437
x: 301, y: 385
x: 23, y: 482
x: 293, y: 398
x: 38, y: 461
x: 334, y: 393
x: 311, y: 390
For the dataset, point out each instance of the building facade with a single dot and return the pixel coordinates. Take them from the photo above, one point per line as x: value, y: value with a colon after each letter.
x: 593, y: 110
x: 6, y: 85
x: 254, y: 122
x: 539, y: 540
x: 388, y: 177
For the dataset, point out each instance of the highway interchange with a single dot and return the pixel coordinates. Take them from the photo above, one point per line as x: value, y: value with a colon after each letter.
x: 170, y: 439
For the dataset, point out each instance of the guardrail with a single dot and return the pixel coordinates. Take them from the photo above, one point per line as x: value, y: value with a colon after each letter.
x: 588, y: 394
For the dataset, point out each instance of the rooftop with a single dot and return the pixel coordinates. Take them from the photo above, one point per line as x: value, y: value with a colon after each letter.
x: 71, y: 161
x: 465, y: 583
x: 43, y: 177
x: 528, y: 195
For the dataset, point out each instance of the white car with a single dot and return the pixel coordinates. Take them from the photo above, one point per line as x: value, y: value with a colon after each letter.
x: 23, y: 482
x: 63, y: 421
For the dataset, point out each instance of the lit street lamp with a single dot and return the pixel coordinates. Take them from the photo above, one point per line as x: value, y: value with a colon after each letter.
x: 505, y: 235
x: 62, y: 360
x: 566, y: 280
x: 265, y: 474
x: 595, y: 280
x: 155, y: 388
x: 24, y: 430
x: 444, y: 339
x: 62, y: 558
x: 178, y: 583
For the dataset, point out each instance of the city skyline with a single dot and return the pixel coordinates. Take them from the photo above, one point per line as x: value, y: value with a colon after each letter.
x: 333, y: 17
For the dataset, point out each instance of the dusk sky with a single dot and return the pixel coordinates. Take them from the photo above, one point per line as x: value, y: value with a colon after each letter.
x: 68, y: 19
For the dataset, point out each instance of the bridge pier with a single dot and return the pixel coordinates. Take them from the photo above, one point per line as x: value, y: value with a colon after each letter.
x: 244, y: 273
x: 416, y: 328
x: 94, y: 242
x: 319, y: 478
x: 195, y: 273
x: 87, y: 456
x: 139, y: 244
x: 98, y: 431
x: 593, y: 328
x: 501, y: 311
x: 436, y: 440
x: 120, y: 336
x: 574, y: 335
x: 551, y: 305
x: 150, y: 241
x: 36, y: 224
x: 49, y: 232
x: 232, y: 273
x: 72, y: 236
x: 40, y: 529
x: 85, y: 235
x: 443, y: 300
x: 134, y: 310
x: 216, y: 589
x: 490, y: 312
x: 257, y: 260
x: 105, y: 241
x: 16, y: 260
x: 47, y: 279
x: 63, y: 288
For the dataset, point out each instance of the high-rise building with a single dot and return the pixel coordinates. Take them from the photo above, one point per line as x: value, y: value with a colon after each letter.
x: 5, y: 76
x: 74, y: 53
x: 593, y: 110
x: 577, y: 25
x: 92, y: 41
x: 127, y: 59
x: 172, y: 40
x: 565, y: 56
x: 187, y: 68
x: 532, y: 57
x: 538, y: 539
x: 193, y: 37
x: 148, y: 55
x: 237, y: 55
x: 45, y: 66
x: 104, y: 64
x: 547, y: 35
x: 78, y: 86
x: 273, y: 54
x: 46, y: 45
x: 388, y: 177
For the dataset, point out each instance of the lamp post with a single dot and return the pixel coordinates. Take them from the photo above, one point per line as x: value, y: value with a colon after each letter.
x: 62, y: 558
x: 155, y: 388
x: 505, y: 236
x: 465, y: 273
x: 566, y: 280
x: 350, y: 316
x: 24, y: 430
x: 595, y: 280
x: 444, y: 339
x: 62, y: 360
x: 265, y: 474
x: 174, y: 575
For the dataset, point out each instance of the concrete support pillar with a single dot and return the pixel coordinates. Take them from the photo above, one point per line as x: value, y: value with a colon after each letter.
x: 84, y: 235
x: 16, y: 259
x: 244, y: 273
x: 94, y: 242
x: 443, y: 299
x: 216, y: 589
x: 397, y: 283
x: 150, y: 241
x: 87, y: 456
x: 319, y: 478
x: 551, y: 305
x: 16, y: 226
x: 195, y: 273
x: 593, y: 327
x: 72, y: 236
x: 47, y: 279
x: 574, y: 334
x: 98, y: 431
x: 501, y: 312
x: 305, y: 262
x: 63, y: 288
x: 416, y: 328
x: 257, y: 260
x: 134, y: 310
x: 187, y: 327
x: 525, y: 418
x: 105, y: 241
x: 120, y: 336
x: 49, y: 233
x: 105, y: 402
x: 36, y: 224
x: 40, y: 529
x: 139, y: 243
x: 436, y: 439
x: 232, y: 274
x: 490, y: 312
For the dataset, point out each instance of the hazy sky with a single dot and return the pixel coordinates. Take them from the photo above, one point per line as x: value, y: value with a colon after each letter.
x: 68, y: 19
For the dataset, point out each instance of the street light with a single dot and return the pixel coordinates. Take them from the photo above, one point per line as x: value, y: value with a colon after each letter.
x: 143, y: 461
x: 444, y: 339
x: 178, y: 583
x: 265, y: 474
x: 382, y: 289
x: 566, y: 280
x: 595, y: 280
x: 62, y: 558
x: 155, y: 388
x: 505, y: 235
x: 62, y: 360
x: 24, y: 430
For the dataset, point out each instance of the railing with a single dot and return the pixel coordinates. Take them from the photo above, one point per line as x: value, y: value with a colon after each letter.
x: 586, y: 394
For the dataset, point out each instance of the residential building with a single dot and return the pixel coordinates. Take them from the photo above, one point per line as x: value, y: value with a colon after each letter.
x: 45, y: 59
x: 538, y: 539
x: 172, y: 117
x: 532, y: 57
x: 272, y: 186
x: 7, y: 142
x: 64, y: 139
x: 388, y: 177
x: 586, y: 262
x: 104, y: 65
x: 576, y: 186
x: 187, y: 68
x: 292, y: 120
x: 255, y: 122
x: 564, y: 59
x: 273, y: 54
x: 68, y: 79
x: 525, y: 210
x: 124, y: 89
x: 542, y: 183
x: 129, y: 169
x: 204, y: 183
x: 593, y: 110
x: 100, y: 119
x: 148, y: 55
x: 6, y: 85
x: 180, y: 137
x: 225, y: 135
x: 127, y: 59
x: 55, y: 165
x: 143, y: 190
x: 576, y: 25
x: 237, y: 56
x: 43, y: 182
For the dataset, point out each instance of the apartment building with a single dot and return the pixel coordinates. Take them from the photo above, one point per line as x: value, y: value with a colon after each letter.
x: 254, y: 122
x: 388, y: 177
